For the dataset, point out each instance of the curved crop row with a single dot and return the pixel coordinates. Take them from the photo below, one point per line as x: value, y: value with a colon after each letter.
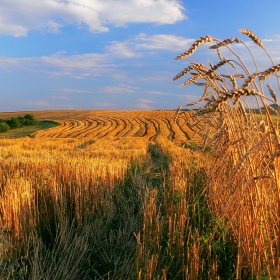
x: 111, y: 124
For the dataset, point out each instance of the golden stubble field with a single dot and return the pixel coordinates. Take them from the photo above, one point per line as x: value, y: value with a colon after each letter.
x: 112, y: 124
x: 133, y: 195
x: 104, y: 195
x: 151, y: 194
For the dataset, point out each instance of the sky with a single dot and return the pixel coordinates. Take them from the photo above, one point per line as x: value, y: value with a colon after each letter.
x: 119, y: 54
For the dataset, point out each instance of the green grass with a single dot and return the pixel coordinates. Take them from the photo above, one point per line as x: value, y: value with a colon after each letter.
x: 28, y: 130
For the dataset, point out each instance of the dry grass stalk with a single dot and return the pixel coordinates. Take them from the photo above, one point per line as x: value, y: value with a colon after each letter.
x: 224, y: 43
x: 193, y: 48
x: 215, y: 67
x: 264, y: 75
x: 219, y: 54
x: 249, y: 80
x: 199, y: 84
x: 251, y: 35
x: 190, y: 80
x: 188, y: 69
x: 272, y: 93
x: 243, y: 187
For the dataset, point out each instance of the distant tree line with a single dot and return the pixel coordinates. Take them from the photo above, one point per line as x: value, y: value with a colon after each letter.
x: 12, y: 123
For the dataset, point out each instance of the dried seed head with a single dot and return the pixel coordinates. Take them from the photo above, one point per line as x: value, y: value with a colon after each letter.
x: 273, y: 110
x: 252, y: 36
x: 272, y: 93
x: 230, y: 63
x: 219, y: 55
x: 215, y: 67
x: 239, y: 75
x: 190, y: 80
x: 199, y: 84
x: 177, y: 113
x: 223, y: 43
x: 264, y: 75
x: 233, y: 81
x: 249, y: 80
x: 215, y: 103
x: 193, y: 48
x: 188, y: 69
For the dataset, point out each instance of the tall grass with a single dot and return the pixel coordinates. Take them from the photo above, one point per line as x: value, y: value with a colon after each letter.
x: 113, y: 209
x: 235, y: 122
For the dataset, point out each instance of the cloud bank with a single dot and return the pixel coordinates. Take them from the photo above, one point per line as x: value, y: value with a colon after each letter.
x: 18, y: 17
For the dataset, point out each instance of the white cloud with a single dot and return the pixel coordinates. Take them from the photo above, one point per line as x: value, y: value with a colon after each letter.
x: 74, y: 90
x: 77, y: 66
x: 163, y: 42
x: 117, y: 89
x: 96, y: 64
x: 18, y: 17
x: 156, y: 92
x: 144, y: 106
x: 146, y: 100
x: 143, y: 42
x: 41, y: 103
x: 121, y: 50
x: 54, y: 97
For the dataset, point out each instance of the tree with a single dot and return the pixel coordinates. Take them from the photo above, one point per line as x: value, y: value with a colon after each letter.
x: 13, y: 123
x: 4, y: 127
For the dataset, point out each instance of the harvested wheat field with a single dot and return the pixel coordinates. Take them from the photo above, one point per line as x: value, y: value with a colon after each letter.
x: 100, y: 196
x: 113, y: 124
x: 150, y: 194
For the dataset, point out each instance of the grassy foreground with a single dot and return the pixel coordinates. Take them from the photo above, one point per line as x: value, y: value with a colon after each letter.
x: 114, y: 209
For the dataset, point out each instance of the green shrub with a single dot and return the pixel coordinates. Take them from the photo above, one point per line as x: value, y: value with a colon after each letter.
x: 4, y: 127
x: 14, y: 123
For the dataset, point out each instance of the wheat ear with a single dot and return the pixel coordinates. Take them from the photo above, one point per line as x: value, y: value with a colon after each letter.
x: 188, y: 69
x: 264, y: 75
x: 193, y: 48
x: 251, y: 35
x: 215, y: 102
x: 272, y: 93
x: 224, y: 43
x: 249, y: 80
x: 190, y: 80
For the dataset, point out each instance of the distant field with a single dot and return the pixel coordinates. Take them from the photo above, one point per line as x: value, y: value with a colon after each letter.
x: 104, y: 124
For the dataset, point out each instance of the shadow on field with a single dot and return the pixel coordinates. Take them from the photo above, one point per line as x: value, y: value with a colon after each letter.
x: 151, y: 225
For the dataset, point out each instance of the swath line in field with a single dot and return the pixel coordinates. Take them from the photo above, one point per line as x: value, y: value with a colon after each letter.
x: 106, y: 127
x: 122, y: 127
x: 134, y: 127
x: 83, y: 126
x: 99, y: 125
x: 143, y: 128
x: 155, y: 128
x: 171, y: 131
x: 111, y: 128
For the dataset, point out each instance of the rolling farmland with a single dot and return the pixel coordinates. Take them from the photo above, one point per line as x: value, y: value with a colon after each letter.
x: 84, y: 199
x: 118, y: 124
x: 114, y: 124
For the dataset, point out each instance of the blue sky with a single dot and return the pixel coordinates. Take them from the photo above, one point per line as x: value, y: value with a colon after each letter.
x: 118, y: 54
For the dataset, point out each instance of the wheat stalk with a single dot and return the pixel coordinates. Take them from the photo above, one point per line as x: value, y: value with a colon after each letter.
x: 264, y: 75
x: 215, y: 67
x: 188, y: 69
x: 190, y: 80
x: 215, y: 103
x: 272, y: 93
x: 224, y: 43
x: 249, y: 80
x: 251, y: 35
x: 193, y: 48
